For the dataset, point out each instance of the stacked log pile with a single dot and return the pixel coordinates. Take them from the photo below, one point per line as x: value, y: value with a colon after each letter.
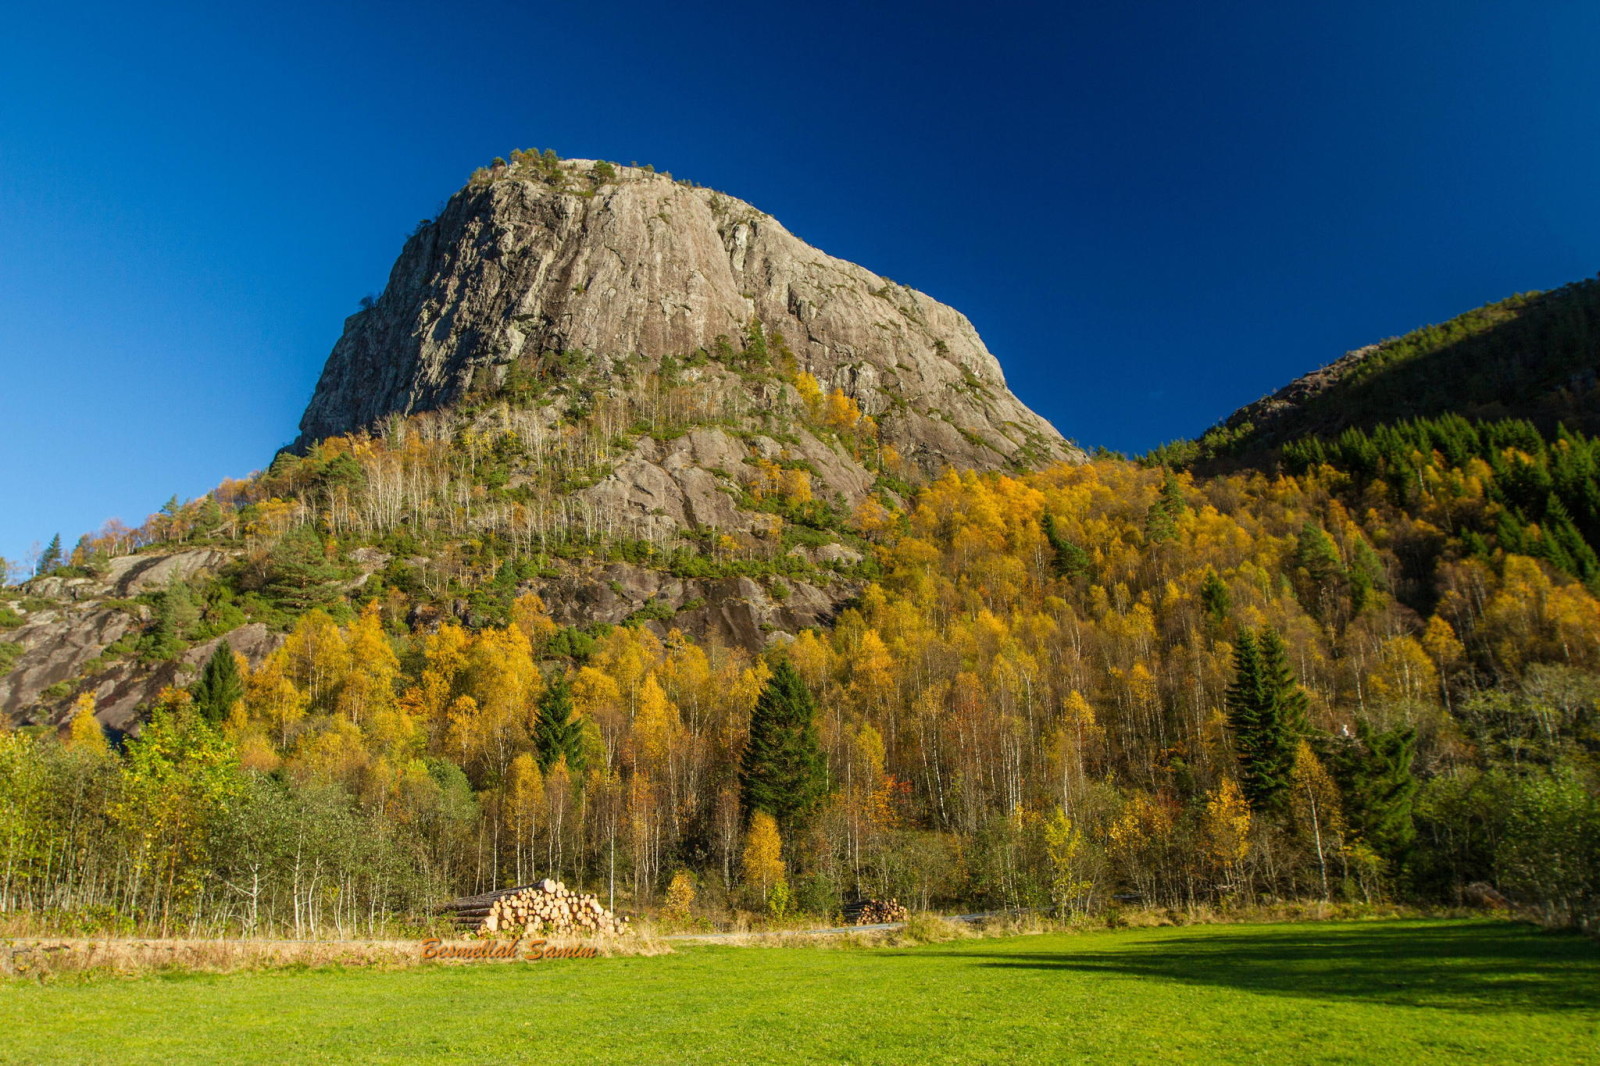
x: 542, y: 908
x: 874, y: 912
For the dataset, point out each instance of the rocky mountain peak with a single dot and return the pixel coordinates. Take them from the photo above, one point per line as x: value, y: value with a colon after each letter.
x: 541, y: 256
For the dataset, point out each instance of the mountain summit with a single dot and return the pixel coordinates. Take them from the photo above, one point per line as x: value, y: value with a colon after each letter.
x: 542, y: 257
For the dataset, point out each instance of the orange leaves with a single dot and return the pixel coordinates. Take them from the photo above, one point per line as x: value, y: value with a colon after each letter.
x: 840, y: 412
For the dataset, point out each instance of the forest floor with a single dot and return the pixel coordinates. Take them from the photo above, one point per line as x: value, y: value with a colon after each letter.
x: 1412, y: 991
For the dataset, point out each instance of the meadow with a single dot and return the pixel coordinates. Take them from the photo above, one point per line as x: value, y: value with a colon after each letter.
x: 1330, y: 992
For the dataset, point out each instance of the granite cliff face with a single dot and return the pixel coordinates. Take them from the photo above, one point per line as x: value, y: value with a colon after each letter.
x: 618, y: 262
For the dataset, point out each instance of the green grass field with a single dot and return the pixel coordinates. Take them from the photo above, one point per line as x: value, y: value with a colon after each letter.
x: 1400, y: 993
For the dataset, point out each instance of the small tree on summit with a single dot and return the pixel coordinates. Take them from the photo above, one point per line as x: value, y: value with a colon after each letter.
x: 1267, y: 712
x: 782, y: 771
x: 51, y: 557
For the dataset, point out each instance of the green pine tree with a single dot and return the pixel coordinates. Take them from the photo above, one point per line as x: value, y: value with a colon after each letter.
x: 1318, y: 569
x: 1382, y: 789
x: 51, y: 557
x: 1161, y: 520
x: 219, y: 687
x: 1069, y: 560
x: 1214, y: 597
x: 1267, y: 712
x: 782, y: 771
x: 556, y: 733
x: 1366, y: 575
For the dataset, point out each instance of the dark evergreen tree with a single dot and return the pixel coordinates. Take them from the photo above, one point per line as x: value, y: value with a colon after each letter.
x: 782, y: 771
x: 1214, y: 597
x: 219, y: 687
x: 1069, y: 560
x: 557, y: 734
x: 1161, y: 520
x: 1381, y: 789
x: 1366, y: 575
x: 1318, y: 570
x: 1267, y: 713
x: 174, y: 611
x: 51, y: 557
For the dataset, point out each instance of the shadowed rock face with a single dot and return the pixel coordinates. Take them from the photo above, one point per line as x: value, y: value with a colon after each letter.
x: 75, y: 620
x: 641, y: 265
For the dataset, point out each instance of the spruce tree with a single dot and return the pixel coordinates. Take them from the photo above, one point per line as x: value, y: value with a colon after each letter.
x: 51, y: 557
x: 1319, y: 569
x: 1069, y: 559
x: 220, y: 685
x: 782, y: 771
x: 1214, y: 597
x: 1267, y: 712
x: 1366, y: 575
x: 1382, y: 788
x: 1161, y: 520
x: 556, y: 734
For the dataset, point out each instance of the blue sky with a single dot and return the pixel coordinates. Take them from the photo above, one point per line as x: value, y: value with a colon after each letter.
x: 1153, y: 212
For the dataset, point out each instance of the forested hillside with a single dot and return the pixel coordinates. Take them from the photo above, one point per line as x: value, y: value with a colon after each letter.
x: 1533, y: 357
x: 1061, y: 689
x: 718, y: 631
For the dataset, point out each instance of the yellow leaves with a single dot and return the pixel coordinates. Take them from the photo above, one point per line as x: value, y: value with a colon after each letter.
x: 463, y: 735
x: 525, y: 797
x: 316, y: 657
x: 810, y: 391
x: 840, y: 412
x: 445, y: 651
x: 1144, y: 819
x: 762, y: 860
x: 1439, y: 641
x: 869, y: 750
x: 273, y: 517
x: 528, y: 613
x: 1143, y: 691
x: 812, y: 657
x: 872, y: 676
x: 501, y: 675
x: 1227, y: 824
x: 337, y: 753
x: 83, y: 732
x: 1076, y: 713
x: 1065, y: 847
x: 680, y: 893
x: 372, y: 670
x: 627, y: 654
x: 596, y: 693
x: 1405, y: 674
x: 789, y: 483
x: 657, y: 728
x: 874, y: 520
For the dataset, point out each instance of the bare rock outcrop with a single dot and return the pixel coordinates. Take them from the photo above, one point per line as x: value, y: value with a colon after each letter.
x: 625, y: 262
x: 73, y: 641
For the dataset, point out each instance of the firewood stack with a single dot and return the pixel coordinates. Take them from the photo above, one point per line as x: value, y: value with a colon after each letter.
x: 542, y: 908
x: 874, y: 912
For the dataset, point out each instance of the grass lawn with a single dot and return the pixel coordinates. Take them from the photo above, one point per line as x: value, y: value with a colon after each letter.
x: 1401, y: 993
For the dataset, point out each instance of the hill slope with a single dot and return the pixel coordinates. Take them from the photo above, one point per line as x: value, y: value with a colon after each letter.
x: 1534, y: 356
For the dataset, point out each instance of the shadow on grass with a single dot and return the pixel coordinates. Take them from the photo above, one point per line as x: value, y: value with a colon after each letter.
x: 1479, y: 967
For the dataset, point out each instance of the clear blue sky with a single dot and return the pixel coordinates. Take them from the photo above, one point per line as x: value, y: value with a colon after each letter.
x: 1153, y: 212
